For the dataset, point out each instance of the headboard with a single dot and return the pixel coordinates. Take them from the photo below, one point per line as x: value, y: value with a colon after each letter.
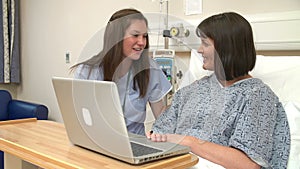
x: 276, y: 31
x: 273, y: 32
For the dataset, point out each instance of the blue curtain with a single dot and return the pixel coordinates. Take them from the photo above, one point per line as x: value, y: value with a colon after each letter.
x: 9, y: 42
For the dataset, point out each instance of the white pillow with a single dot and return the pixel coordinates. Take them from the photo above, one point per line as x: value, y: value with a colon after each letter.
x: 281, y: 73
x: 293, y: 113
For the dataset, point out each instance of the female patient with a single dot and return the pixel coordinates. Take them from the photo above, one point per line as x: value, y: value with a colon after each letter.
x: 124, y: 60
x: 229, y: 118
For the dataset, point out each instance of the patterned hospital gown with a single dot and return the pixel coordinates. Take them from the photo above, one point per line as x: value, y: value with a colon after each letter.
x: 246, y: 115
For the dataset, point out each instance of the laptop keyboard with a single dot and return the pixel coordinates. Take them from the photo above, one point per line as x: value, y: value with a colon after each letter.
x: 139, y: 149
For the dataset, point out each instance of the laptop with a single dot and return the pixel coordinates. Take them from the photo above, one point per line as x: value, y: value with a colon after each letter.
x: 93, y: 117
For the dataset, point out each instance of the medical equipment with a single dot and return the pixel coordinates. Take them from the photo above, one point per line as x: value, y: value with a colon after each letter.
x: 165, y: 60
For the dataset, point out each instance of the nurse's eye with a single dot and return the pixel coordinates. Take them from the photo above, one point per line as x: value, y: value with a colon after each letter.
x: 135, y: 35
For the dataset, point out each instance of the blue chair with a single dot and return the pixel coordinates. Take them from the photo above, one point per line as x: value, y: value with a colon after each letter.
x: 11, y: 109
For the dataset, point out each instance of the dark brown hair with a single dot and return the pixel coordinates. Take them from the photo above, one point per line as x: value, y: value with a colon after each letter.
x: 235, y: 53
x: 112, y: 54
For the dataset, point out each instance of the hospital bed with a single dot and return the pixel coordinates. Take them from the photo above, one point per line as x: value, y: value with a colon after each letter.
x: 281, y: 73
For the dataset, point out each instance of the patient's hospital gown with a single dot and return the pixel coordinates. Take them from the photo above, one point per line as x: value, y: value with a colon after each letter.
x: 246, y: 115
x: 134, y: 106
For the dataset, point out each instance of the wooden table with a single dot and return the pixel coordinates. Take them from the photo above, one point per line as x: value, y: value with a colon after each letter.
x: 45, y: 144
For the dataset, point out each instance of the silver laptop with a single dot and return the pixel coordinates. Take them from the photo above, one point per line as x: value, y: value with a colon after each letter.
x: 93, y: 118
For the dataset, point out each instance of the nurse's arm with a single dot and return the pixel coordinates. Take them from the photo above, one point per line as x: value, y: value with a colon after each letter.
x: 157, y: 108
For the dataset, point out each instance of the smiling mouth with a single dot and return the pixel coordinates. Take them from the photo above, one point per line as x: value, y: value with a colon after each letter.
x: 138, y: 49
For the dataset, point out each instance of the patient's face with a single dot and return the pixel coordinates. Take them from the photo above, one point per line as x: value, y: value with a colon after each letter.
x: 207, y: 50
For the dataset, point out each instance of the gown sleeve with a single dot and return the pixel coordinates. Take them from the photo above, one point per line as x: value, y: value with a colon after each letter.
x: 262, y: 129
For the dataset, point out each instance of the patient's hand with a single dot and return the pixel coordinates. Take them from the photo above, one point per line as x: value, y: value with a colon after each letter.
x: 156, y: 137
x: 174, y: 138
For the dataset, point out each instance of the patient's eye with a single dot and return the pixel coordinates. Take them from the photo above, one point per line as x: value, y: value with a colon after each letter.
x: 204, y: 43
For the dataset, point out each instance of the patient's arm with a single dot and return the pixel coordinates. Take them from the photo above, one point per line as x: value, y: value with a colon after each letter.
x: 227, y: 157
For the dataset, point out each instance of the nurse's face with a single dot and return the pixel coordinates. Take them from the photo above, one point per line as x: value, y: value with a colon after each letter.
x: 135, y: 39
x: 207, y: 50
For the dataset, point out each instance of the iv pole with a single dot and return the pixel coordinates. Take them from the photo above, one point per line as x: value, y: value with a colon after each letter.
x: 166, y: 7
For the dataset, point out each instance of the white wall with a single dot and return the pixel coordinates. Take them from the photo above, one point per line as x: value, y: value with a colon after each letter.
x: 50, y: 28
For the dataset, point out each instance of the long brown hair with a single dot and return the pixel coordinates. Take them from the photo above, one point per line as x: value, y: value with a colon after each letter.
x: 112, y: 54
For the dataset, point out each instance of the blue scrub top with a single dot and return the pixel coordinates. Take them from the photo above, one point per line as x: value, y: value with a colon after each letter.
x: 135, y: 107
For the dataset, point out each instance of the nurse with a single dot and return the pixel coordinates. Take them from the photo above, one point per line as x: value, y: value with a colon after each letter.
x: 125, y: 61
